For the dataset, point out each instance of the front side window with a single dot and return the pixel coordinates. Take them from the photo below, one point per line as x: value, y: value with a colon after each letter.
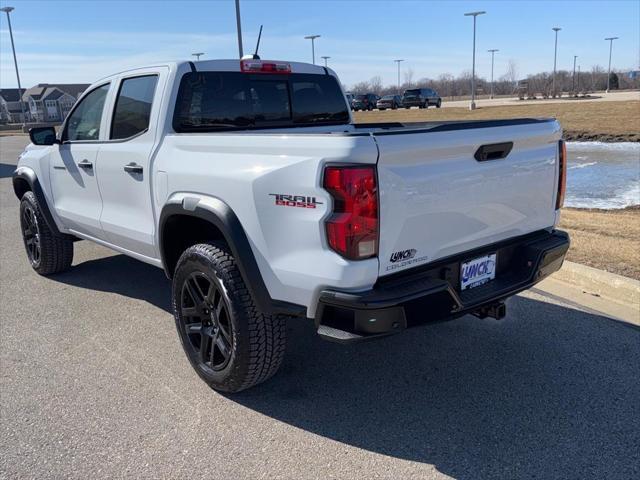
x: 133, y: 106
x: 209, y: 101
x: 84, y: 121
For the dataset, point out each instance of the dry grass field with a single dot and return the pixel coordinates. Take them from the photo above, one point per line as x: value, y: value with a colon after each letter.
x: 605, y: 239
x: 581, y: 120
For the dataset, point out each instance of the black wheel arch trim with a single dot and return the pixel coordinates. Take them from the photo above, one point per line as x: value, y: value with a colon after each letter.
x: 219, y: 214
x: 28, y: 175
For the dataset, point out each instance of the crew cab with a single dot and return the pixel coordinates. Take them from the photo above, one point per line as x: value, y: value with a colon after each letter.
x: 249, y: 184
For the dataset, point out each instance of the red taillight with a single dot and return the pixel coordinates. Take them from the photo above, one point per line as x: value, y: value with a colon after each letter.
x: 258, y: 66
x: 562, y: 174
x: 352, y: 230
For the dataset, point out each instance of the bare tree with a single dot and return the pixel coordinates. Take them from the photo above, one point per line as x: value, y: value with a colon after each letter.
x: 408, y: 77
x: 511, y: 75
x: 375, y: 85
x: 361, y: 87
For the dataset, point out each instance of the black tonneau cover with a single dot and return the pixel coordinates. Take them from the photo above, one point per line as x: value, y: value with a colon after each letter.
x: 398, y: 128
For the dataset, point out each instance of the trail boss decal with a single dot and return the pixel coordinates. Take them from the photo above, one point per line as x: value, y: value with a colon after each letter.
x: 404, y: 258
x: 295, y: 200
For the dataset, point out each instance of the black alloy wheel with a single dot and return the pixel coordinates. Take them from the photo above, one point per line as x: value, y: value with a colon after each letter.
x: 206, y: 322
x: 31, y: 235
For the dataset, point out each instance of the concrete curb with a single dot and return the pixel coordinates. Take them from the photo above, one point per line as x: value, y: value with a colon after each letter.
x: 608, y: 285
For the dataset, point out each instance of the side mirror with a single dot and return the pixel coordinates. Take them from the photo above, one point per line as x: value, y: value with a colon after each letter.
x: 43, y: 135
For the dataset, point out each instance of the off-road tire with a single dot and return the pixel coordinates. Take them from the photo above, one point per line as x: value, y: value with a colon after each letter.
x: 258, y: 340
x: 55, y: 249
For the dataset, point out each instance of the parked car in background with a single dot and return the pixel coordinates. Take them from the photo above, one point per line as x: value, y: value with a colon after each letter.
x: 389, y: 101
x: 364, y: 102
x: 349, y: 98
x: 421, y: 98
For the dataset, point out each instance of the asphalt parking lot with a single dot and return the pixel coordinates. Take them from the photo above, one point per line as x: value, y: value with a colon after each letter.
x: 94, y: 384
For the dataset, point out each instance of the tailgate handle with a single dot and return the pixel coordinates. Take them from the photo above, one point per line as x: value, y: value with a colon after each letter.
x: 494, y: 151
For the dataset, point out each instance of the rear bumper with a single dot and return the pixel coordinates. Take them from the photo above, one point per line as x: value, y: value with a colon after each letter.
x: 431, y: 293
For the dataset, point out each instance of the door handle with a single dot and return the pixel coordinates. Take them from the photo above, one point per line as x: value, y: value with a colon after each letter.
x: 85, y: 164
x: 133, y: 168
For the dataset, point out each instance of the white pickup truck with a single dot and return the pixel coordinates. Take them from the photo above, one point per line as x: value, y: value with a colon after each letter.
x: 249, y: 184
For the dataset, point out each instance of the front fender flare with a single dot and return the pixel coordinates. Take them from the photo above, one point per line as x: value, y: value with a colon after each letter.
x: 28, y: 175
x: 219, y: 214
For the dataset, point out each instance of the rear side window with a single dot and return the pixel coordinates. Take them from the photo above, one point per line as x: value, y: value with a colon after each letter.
x: 133, y: 106
x: 210, y: 101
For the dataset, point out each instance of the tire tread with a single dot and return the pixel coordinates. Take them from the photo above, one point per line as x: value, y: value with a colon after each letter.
x: 56, y: 250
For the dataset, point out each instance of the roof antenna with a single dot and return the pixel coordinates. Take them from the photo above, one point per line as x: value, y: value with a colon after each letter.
x: 255, y: 55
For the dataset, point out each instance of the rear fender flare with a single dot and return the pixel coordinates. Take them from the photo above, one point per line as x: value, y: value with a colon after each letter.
x: 219, y: 214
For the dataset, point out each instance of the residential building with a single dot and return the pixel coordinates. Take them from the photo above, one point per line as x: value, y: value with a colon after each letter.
x: 51, y: 102
x: 10, y: 111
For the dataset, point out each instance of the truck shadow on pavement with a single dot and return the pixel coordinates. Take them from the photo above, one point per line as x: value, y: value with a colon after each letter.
x: 549, y: 392
x: 122, y: 275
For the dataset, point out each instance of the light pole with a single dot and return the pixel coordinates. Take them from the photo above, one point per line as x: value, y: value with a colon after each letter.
x: 398, y: 62
x: 197, y: 55
x: 578, y: 77
x: 325, y: 60
x: 472, y: 105
x: 8, y: 10
x: 493, y: 51
x: 610, y: 40
x: 555, y: 55
x: 313, y: 46
x: 239, y: 28
x: 573, y: 78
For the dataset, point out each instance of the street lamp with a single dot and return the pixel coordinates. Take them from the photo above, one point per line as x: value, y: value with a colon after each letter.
x: 8, y: 10
x: 313, y: 48
x: 610, y: 40
x: 239, y: 28
x: 555, y: 55
x: 472, y: 105
x: 492, y: 51
x: 197, y: 55
x: 325, y: 60
x: 573, y: 78
x: 578, y: 77
x: 398, y: 62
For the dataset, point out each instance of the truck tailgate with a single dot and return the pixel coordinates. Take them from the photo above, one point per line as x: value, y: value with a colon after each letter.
x: 437, y: 199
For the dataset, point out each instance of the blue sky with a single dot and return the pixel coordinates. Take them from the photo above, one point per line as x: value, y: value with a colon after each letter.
x: 80, y: 41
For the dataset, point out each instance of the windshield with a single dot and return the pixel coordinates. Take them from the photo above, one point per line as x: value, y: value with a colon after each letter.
x: 388, y: 97
x: 412, y: 93
x: 360, y: 97
x: 209, y: 101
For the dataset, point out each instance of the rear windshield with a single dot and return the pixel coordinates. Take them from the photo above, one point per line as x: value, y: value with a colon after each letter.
x: 210, y: 101
x: 412, y: 93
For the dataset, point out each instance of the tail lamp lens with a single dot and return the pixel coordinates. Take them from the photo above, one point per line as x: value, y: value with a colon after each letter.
x: 562, y: 174
x: 352, y: 229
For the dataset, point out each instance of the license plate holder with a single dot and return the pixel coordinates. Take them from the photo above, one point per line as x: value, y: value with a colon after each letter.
x: 477, y: 271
